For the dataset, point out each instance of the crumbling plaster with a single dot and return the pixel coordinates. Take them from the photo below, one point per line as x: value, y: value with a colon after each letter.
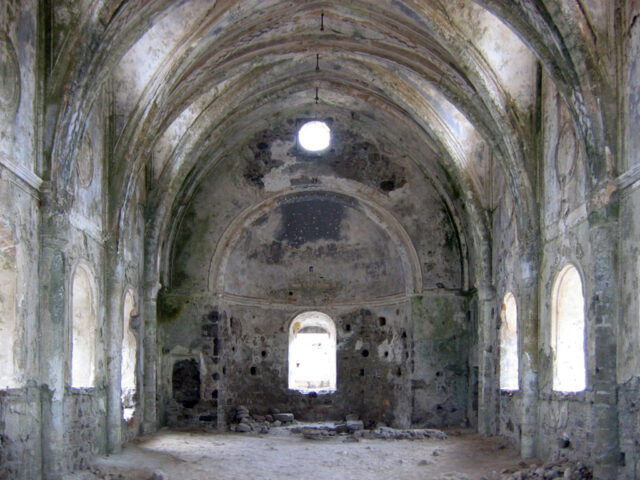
x: 480, y: 147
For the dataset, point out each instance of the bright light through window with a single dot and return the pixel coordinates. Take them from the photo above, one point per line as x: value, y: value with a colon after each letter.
x: 312, y: 353
x: 569, y: 372
x: 314, y: 136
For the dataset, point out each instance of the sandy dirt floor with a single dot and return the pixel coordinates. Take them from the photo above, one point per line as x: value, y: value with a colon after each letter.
x: 195, y: 455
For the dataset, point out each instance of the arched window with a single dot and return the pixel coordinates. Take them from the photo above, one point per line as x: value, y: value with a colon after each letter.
x: 567, y: 332
x: 312, y: 353
x: 129, y: 352
x: 8, y: 311
x: 509, y: 343
x: 83, y: 329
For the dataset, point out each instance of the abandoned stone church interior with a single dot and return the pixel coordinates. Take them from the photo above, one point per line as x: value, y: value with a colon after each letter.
x: 414, y: 213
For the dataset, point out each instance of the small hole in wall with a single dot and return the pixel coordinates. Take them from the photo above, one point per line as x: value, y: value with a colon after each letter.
x: 216, y: 376
x: 399, y: 372
x: 224, y: 370
x: 365, y: 353
x: 404, y: 334
x: 438, y: 374
x: 214, y: 394
x: 290, y: 293
x: 253, y: 370
x: 383, y: 321
x: 233, y: 349
x: 347, y: 327
x: 263, y: 353
x: 362, y: 372
x: 386, y: 354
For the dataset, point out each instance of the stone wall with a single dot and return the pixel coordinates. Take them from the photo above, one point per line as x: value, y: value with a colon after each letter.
x: 396, y: 364
x: 85, y: 427
x: 20, y: 447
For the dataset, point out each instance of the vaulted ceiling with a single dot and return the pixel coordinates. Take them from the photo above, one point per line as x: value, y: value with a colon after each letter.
x: 449, y: 87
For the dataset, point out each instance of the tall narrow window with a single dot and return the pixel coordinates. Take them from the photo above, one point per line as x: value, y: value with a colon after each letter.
x: 312, y: 353
x: 129, y: 351
x: 567, y: 330
x: 509, y: 343
x: 83, y: 329
x: 8, y: 295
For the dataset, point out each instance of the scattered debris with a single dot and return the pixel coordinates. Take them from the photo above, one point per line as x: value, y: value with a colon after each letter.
x: 549, y: 471
x: 244, y: 422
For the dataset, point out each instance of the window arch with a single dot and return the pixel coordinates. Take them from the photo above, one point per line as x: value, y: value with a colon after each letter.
x: 129, y: 350
x: 567, y: 332
x: 509, y: 343
x: 83, y: 329
x: 312, y: 353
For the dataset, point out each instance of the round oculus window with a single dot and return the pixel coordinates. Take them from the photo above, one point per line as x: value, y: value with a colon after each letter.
x: 314, y: 136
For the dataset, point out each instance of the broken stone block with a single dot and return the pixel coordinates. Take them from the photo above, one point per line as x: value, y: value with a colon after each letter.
x: 243, y: 428
x: 284, y: 417
x: 354, y: 425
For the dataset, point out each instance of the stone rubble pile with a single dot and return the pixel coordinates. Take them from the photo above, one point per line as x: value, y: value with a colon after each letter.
x: 563, y: 469
x: 244, y: 422
x: 354, y: 429
x: 387, y: 433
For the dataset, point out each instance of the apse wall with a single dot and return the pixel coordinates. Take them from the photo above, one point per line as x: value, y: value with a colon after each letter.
x: 280, y: 234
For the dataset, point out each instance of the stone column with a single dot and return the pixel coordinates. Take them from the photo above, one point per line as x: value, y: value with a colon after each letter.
x: 114, y: 287
x: 150, y: 358
x: 602, y: 314
x: 487, y: 355
x: 54, y: 330
x: 528, y: 316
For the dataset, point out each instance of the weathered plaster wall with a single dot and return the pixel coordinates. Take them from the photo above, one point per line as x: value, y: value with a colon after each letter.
x: 128, y: 274
x: 353, y: 167
x: 507, y: 274
x: 322, y: 247
x: 564, y: 424
x: 441, y: 341
x: 20, y: 395
x: 566, y: 239
x: 628, y: 362
x: 85, y: 408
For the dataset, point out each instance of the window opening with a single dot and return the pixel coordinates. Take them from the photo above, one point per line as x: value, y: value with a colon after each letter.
x: 567, y: 329
x: 8, y: 312
x: 509, y: 343
x: 129, y: 351
x: 83, y: 325
x: 312, y: 353
x: 314, y: 136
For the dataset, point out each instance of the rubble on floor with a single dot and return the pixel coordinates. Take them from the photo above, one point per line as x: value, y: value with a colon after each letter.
x: 244, y: 421
x: 561, y: 469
